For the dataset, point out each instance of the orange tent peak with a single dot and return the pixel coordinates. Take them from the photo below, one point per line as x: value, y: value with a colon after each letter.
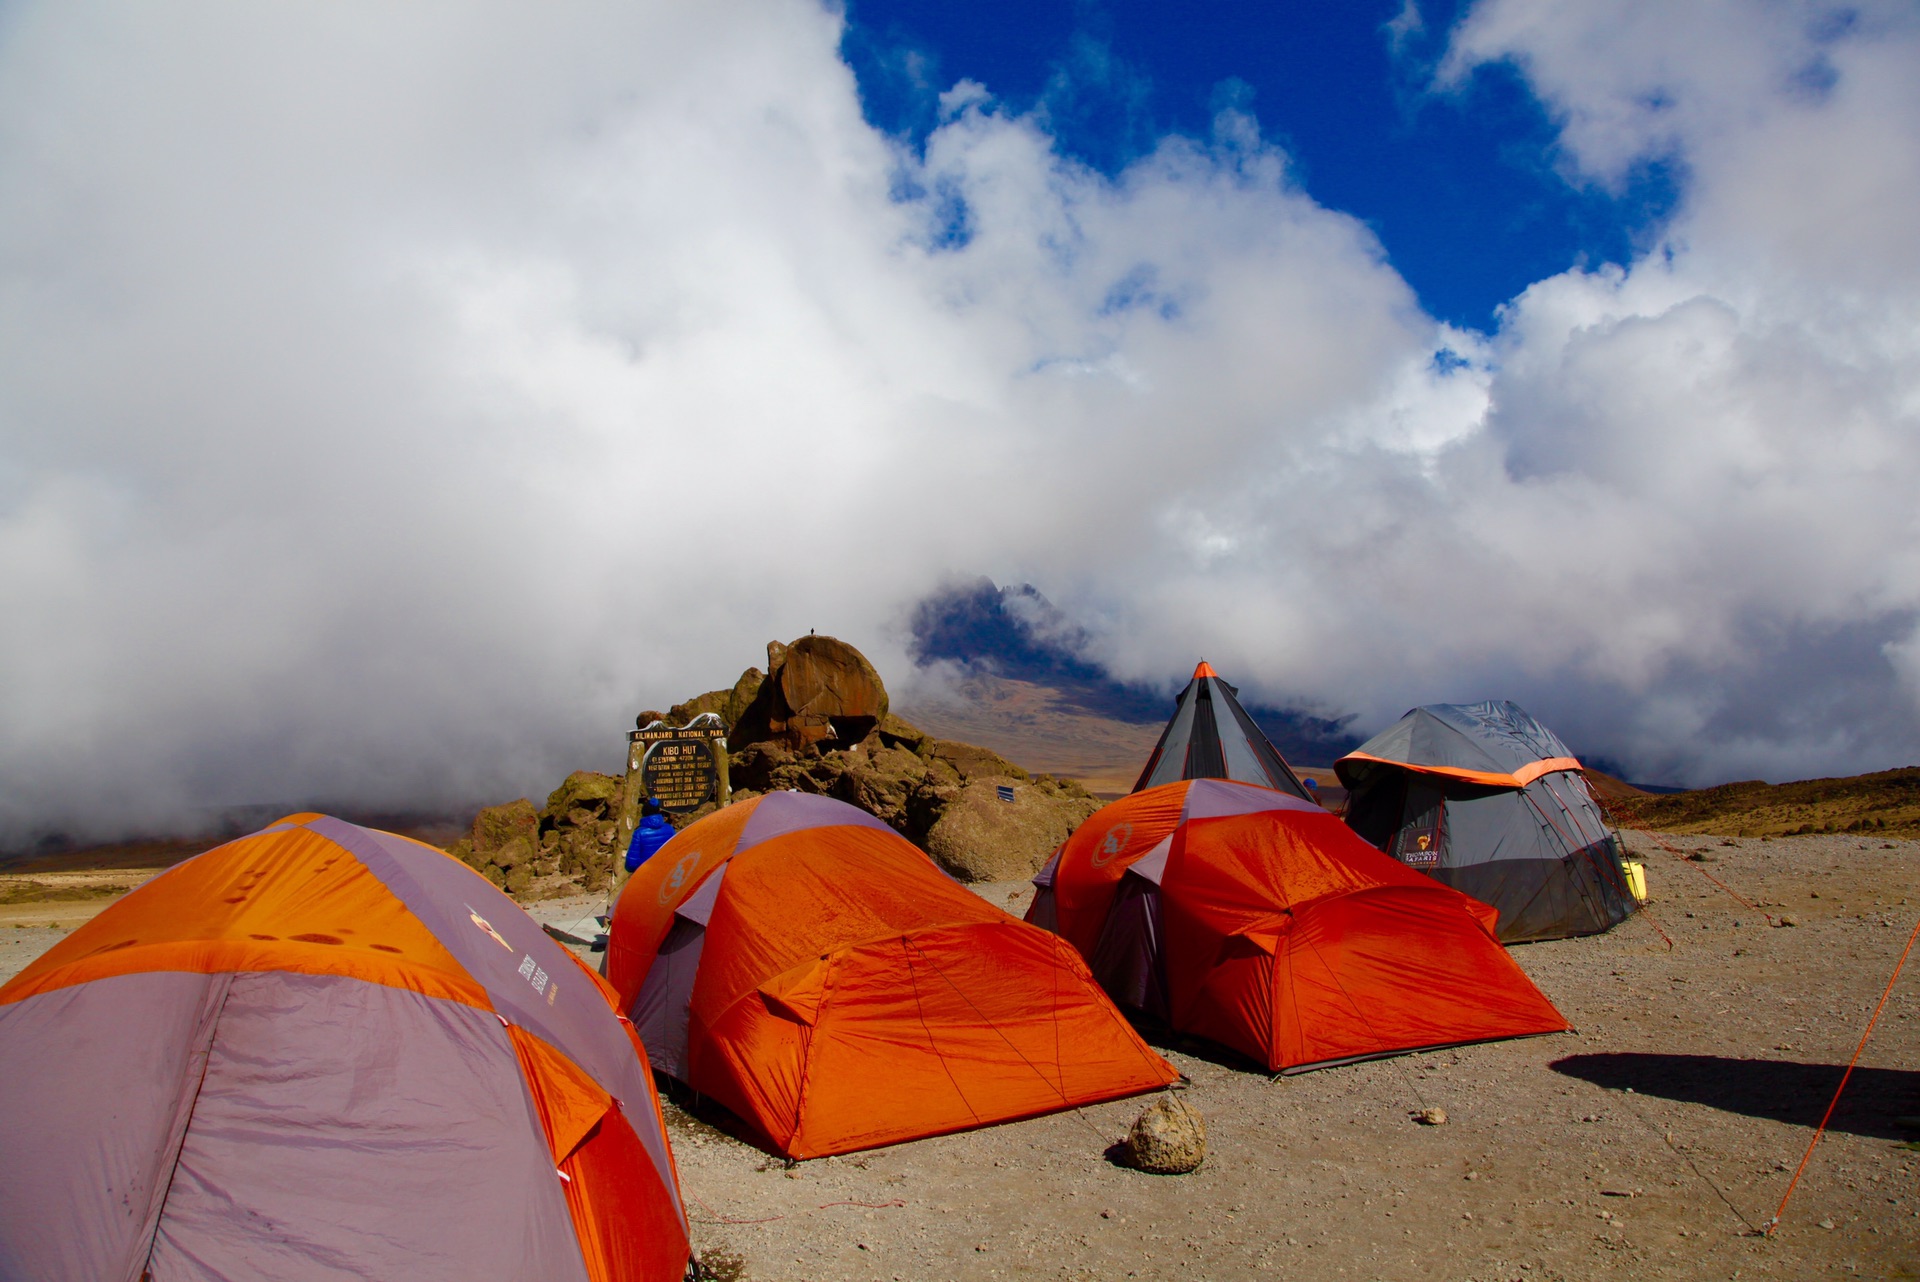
x: 1205, y: 670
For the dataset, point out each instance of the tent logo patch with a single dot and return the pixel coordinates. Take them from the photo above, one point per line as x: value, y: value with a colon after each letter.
x: 1420, y: 847
x: 487, y: 926
x: 531, y: 972
x: 677, y: 878
x: 1112, y: 844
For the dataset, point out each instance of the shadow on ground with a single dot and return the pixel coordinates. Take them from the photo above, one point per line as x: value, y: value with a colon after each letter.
x: 1880, y: 1103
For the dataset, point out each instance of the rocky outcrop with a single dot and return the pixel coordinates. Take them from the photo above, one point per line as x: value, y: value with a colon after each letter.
x: 565, y: 847
x: 502, y: 844
x: 816, y: 721
x: 728, y: 705
x: 943, y: 796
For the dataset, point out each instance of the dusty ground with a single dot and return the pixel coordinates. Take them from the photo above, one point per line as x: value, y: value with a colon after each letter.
x: 1649, y: 1144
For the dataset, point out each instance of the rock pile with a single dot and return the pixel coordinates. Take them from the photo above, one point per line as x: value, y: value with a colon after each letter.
x: 564, y: 847
x: 979, y: 815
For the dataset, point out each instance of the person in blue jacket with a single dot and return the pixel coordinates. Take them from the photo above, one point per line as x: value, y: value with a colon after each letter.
x: 651, y: 833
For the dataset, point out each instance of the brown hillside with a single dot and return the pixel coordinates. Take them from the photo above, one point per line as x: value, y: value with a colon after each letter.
x: 1883, y: 804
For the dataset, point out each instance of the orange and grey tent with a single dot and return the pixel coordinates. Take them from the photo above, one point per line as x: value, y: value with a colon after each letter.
x: 1482, y: 797
x: 323, y: 1051
x: 1210, y: 736
x: 1257, y: 920
x: 798, y: 961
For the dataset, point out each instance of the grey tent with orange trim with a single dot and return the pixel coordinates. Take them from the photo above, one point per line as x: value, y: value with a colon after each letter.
x: 1484, y: 798
x: 1212, y: 737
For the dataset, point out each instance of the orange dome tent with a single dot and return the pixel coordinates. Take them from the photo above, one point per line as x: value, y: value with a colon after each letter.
x: 800, y: 962
x: 324, y: 1051
x: 1258, y: 920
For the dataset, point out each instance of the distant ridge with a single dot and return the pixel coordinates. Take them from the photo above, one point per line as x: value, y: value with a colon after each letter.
x: 1017, y: 634
x: 1884, y: 804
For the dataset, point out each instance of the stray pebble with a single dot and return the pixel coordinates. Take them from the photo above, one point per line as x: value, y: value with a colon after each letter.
x: 1431, y: 1117
x: 1826, y: 1224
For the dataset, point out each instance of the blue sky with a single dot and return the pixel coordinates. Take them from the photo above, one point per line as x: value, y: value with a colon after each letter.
x: 1463, y: 185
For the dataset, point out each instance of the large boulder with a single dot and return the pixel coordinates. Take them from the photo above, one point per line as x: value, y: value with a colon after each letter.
x: 585, y: 790
x: 819, y: 690
x: 980, y: 836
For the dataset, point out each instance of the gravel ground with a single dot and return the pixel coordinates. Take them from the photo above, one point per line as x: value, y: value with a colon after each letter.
x: 1651, y: 1143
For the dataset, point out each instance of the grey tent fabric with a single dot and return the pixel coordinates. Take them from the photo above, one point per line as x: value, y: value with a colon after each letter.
x: 303, y: 1129
x: 665, y: 1005
x: 1211, y: 737
x: 1485, y: 799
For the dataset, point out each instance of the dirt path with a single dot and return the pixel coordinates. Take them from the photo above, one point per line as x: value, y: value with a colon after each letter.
x: 1647, y: 1145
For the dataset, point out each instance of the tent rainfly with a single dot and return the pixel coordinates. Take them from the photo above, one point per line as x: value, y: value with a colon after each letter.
x: 798, y: 961
x: 1482, y: 797
x: 323, y: 1051
x: 1257, y: 920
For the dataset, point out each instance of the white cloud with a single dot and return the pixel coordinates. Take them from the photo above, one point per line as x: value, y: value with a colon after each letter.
x: 393, y: 401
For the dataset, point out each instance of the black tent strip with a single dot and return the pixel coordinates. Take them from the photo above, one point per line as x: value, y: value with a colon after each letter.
x: 1210, y: 736
x: 1205, y: 757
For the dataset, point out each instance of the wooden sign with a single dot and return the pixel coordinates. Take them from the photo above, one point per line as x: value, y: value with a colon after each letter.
x: 681, y: 766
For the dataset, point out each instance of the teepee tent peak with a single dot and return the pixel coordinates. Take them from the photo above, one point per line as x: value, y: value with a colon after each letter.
x: 1211, y: 737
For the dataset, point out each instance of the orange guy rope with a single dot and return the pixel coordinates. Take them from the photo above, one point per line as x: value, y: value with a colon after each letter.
x: 1834, y: 1103
x: 1737, y: 896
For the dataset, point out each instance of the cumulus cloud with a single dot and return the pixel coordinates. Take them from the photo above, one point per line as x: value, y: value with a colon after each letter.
x: 393, y: 401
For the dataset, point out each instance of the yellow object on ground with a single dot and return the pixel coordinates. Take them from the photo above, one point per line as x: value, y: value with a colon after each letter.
x: 1636, y: 878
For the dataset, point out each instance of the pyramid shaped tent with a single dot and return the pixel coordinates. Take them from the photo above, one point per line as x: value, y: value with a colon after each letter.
x: 1212, y: 737
x: 1259, y: 921
x: 803, y: 964
x: 1484, y: 798
x: 323, y: 1051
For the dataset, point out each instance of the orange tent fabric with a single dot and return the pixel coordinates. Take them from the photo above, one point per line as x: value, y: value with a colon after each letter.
x: 324, y: 1050
x: 1245, y: 916
x: 795, y: 959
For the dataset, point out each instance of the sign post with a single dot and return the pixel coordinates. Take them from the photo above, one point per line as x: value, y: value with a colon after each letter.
x: 685, y: 767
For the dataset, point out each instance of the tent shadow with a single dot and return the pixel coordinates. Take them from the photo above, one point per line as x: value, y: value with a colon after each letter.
x: 1156, y: 1033
x: 1878, y: 1104
x: 710, y: 1113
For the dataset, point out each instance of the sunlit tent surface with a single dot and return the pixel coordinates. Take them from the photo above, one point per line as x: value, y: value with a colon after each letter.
x: 323, y: 1051
x: 1257, y: 920
x: 1211, y: 737
x: 800, y: 962
x: 1484, y: 798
